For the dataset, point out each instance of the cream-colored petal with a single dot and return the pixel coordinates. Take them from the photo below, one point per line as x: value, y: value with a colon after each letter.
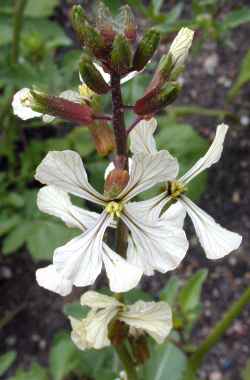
x: 56, y: 202
x: 97, y: 327
x: 50, y: 279
x: 155, y: 318
x: 122, y: 275
x: 212, y: 156
x: 180, y: 46
x: 154, y: 244
x: 79, y: 333
x: 65, y: 170
x: 80, y: 260
x: 97, y: 300
x: 19, y: 109
x: 216, y: 241
x: 142, y: 137
x: 148, y: 170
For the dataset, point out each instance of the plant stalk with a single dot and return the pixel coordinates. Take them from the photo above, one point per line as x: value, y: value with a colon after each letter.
x: 19, y: 8
x: 219, y: 329
x: 127, y: 362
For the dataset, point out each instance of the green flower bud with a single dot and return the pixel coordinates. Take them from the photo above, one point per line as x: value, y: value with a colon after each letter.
x: 146, y: 49
x: 105, y: 23
x: 126, y: 22
x: 156, y: 99
x: 78, y: 20
x: 121, y: 55
x: 92, y: 77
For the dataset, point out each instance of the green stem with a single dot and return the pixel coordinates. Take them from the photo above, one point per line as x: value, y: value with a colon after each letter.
x: 17, y: 21
x: 126, y: 361
x: 219, y: 330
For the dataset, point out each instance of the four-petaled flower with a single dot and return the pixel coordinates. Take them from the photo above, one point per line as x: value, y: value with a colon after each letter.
x: 153, y: 318
x: 215, y: 240
x: 79, y: 262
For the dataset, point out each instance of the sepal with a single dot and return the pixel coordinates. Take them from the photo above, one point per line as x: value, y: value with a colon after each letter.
x: 146, y: 49
x: 92, y: 77
x: 121, y: 55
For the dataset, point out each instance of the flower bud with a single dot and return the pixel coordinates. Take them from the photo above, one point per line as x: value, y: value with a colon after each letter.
x: 104, y: 23
x: 157, y: 99
x: 140, y: 349
x: 63, y: 108
x: 121, y: 55
x: 127, y: 21
x: 78, y: 20
x: 118, y: 332
x: 92, y: 77
x: 146, y: 49
x: 116, y: 182
x: 103, y: 137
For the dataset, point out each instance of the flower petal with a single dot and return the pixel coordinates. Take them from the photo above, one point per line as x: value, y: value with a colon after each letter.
x: 211, y: 157
x: 97, y: 327
x: 80, y: 260
x: 180, y: 46
x: 56, y: 202
x: 142, y: 137
x: 97, y: 300
x: 122, y: 275
x: 19, y: 109
x: 216, y: 241
x: 148, y: 170
x: 154, y: 244
x: 65, y: 170
x: 50, y: 279
x: 175, y: 214
x: 79, y: 333
x: 155, y: 318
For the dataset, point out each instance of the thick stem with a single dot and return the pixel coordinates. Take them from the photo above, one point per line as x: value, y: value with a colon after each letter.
x: 127, y: 362
x: 17, y: 21
x: 220, y: 329
x: 118, y: 123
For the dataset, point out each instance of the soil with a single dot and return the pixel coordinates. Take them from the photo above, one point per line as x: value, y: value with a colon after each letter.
x: 38, y: 313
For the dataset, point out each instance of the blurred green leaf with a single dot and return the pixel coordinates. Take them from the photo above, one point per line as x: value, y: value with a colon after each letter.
x: 235, y: 18
x: 190, y: 293
x: 36, y: 372
x: 170, y: 291
x: 6, y: 361
x: 16, y: 238
x: 245, y: 373
x: 166, y: 362
x: 44, y: 8
x: 184, y: 143
x: 75, y: 310
x: 243, y: 77
x: 64, y: 357
x: 157, y: 4
x: 95, y: 363
x: 8, y: 223
x: 5, y: 30
x: 135, y: 295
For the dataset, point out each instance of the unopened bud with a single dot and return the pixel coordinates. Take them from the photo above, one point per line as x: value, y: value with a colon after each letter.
x: 156, y: 99
x: 63, y: 108
x: 78, y: 20
x: 103, y: 137
x: 121, y: 55
x: 116, y: 182
x: 146, y: 48
x: 127, y: 21
x: 104, y: 23
x: 92, y: 77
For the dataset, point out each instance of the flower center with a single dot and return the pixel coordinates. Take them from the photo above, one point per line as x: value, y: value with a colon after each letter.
x: 26, y: 100
x: 175, y: 189
x: 85, y: 92
x: 114, y: 209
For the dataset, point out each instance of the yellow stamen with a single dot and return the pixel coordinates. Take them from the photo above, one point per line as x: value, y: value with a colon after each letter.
x: 176, y: 188
x: 114, y: 209
x: 85, y: 92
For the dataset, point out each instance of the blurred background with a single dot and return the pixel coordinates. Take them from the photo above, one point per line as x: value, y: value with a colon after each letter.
x: 42, y: 51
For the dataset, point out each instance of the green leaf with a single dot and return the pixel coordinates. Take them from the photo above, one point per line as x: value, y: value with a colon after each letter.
x: 8, y: 223
x: 5, y: 30
x: 170, y: 291
x: 184, y: 143
x: 157, y: 4
x: 113, y: 5
x: 64, y: 357
x: 243, y: 77
x: 44, y: 8
x: 75, y: 310
x: 236, y: 18
x: 16, y: 238
x: 189, y: 296
x: 6, y: 361
x: 45, y: 236
x: 245, y: 373
x: 36, y: 372
x: 166, y: 362
x: 135, y: 295
x: 95, y: 363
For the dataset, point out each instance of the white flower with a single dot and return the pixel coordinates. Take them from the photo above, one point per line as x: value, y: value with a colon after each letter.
x: 80, y: 261
x: 215, y: 240
x: 153, y: 318
x: 180, y: 46
x: 21, y: 104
